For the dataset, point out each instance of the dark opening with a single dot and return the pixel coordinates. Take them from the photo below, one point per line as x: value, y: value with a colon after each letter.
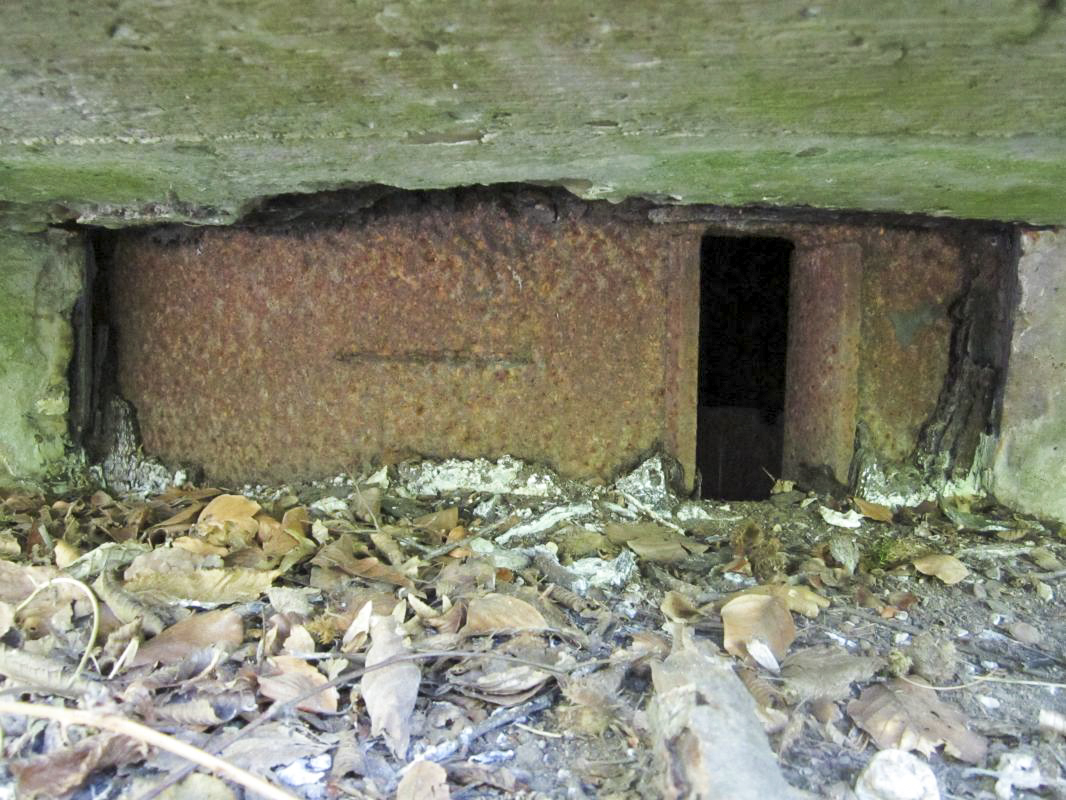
x: 743, y: 336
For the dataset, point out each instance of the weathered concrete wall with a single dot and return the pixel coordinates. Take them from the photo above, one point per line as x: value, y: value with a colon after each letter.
x: 1030, y: 464
x: 40, y: 277
x: 135, y: 111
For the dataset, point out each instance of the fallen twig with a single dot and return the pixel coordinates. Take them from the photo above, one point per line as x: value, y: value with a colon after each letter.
x: 135, y: 730
x: 93, y: 604
x: 347, y: 676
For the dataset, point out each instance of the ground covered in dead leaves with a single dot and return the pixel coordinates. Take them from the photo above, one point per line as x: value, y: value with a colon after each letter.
x: 478, y: 629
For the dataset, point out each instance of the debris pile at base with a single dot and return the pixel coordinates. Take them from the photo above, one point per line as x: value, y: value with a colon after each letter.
x: 477, y: 628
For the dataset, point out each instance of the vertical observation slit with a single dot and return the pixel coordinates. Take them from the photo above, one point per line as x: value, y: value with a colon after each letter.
x: 744, y: 283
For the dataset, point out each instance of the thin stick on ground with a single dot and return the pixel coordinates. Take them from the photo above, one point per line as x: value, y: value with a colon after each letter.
x: 93, y: 604
x: 277, y: 708
x: 142, y: 733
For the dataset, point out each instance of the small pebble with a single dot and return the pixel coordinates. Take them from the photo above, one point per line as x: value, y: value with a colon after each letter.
x: 897, y: 775
x: 1025, y: 633
x: 988, y: 702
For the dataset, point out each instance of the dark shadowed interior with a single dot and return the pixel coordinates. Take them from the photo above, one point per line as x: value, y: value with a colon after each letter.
x: 743, y: 337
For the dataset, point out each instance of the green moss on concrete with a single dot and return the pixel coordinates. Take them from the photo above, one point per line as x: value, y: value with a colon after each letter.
x: 40, y: 278
x: 150, y: 112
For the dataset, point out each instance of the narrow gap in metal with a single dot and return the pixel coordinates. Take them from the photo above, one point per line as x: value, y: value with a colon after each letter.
x: 744, y: 284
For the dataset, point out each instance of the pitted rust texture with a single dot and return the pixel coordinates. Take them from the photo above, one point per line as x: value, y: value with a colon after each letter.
x: 869, y: 333
x: 870, y: 336
x: 467, y: 328
x: 821, y: 393
x: 910, y: 280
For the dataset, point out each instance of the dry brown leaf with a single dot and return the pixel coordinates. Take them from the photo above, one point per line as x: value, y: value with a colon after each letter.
x: 754, y: 618
x: 498, y: 613
x: 359, y: 631
x: 947, y: 568
x: 297, y: 519
x: 65, y: 769
x: 386, y: 544
x: 500, y: 683
x: 448, y: 621
x: 229, y: 520
x: 900, y: 714
x: 467, y: 774
x: 66, y: 554
x: 340, y: 554
x: 204, y: 709
x: 460, y: 579
x: 660, y: 551
x: 200, y: 547
x: 44, y: 674
x: 216, y: 586
x: 168, y: 559
x: 223, y: 629
x: 273, y: 745
x: 272, y: 536
x: 678, y: 608
x: 298, y: 642
x: 705, y: 738
x: 125, y: 606
x: 801, y: 599
x: 365, y: 503
x: 874, y: 511
x: 9, y: 545
x: 181, y: 519
x: 291, y: 677
x: 653, y: 542
x: 826, y: 672
x: 440, y: 521
x: 424, y: 780
x: 390, y: 692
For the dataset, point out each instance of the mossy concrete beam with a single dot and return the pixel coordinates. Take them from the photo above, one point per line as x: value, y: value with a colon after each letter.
x: 40, y: 279
x: 116, y: 113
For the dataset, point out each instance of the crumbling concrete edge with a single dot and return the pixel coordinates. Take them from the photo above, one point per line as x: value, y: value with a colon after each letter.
x: 1029, y: 468
x: 41, y: 278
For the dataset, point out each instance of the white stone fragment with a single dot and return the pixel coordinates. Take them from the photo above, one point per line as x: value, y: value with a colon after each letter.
x: 1016, y: 771
x: 648, y: 484
x: 606, y: 574
x: 545, y: 522
x: 852, y: 519
x: 897, y: 775
x: 506, y: 476
x: 331, y: 506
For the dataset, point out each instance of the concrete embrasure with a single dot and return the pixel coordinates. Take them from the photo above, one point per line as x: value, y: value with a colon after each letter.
x: 40, y: 279
x: 1030, y: 466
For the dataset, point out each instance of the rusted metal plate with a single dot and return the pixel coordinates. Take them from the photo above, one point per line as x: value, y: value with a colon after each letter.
x: 478, y: 323
x: 465, y: 328
x: 821, y: 395
x: 910, y: 280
